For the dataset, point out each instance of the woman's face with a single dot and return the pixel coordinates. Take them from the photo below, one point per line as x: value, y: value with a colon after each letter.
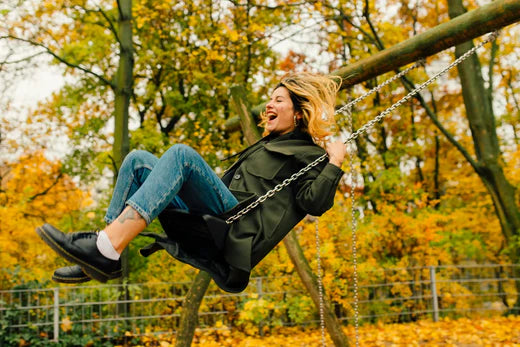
x: 280, y: 112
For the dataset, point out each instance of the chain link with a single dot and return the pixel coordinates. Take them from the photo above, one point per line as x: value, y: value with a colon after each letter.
x: 361, y: 130
x: 353, y: 183
x: 377, y: 88
x: 277, y: 188
x: 320, y: 283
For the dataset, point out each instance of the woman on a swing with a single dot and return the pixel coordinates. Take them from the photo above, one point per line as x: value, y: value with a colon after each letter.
x: 192, y: 202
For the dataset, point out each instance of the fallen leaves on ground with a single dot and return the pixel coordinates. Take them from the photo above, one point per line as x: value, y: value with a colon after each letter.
x: 464, y: 332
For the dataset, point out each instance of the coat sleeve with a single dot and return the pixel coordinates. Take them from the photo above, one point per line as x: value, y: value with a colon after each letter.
x: 315, y: 190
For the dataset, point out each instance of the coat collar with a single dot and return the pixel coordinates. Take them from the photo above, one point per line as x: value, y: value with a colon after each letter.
x: 296, y: 142
x: 276, y: 143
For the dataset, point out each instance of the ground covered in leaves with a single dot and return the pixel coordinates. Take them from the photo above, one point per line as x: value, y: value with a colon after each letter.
x: 465, y: 332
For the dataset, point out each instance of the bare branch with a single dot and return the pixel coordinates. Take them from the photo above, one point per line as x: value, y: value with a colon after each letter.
x: 366, y: 14
x: 46, y: 190
x: 299, y: 32
x: 113, y: 29
x: 28, y: 58
x: 345, y: 17
x: 409, y: 85
x: 61, y: 59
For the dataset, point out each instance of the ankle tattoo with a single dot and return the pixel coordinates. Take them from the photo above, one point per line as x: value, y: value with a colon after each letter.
x: 129, y: 214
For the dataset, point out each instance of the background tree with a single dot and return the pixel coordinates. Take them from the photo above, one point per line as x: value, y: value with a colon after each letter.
x: 34, y: 190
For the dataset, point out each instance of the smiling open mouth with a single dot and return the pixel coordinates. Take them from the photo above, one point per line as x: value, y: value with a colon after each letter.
x: 271, y: 117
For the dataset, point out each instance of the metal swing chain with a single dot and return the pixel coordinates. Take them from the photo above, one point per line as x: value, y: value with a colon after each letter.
x: 320, y: 283
x: 353, y: 183
x: 354, y: 135
x: 377, y: 88
x: 358, y: 132
x: 348, y: 110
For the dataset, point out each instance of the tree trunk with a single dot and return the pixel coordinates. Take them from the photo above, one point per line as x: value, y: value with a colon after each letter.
x: 123, y: 83
x: 242, y: 108
x: 122, y: 87
x: 479, y: 112
x: 310, y: 281
x: 251, y: 133
x: 190, y: 308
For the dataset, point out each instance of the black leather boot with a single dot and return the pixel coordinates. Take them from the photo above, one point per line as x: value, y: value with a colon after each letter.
x: 80, y: 248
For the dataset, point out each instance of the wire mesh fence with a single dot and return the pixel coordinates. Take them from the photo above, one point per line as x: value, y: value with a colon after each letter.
x: 385, y: 295
x: 407, y: 294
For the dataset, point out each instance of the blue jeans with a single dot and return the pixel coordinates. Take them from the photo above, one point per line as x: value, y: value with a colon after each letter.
x: 179, y: 179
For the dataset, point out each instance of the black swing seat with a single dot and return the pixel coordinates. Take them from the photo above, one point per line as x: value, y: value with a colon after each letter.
x: 198, y: 240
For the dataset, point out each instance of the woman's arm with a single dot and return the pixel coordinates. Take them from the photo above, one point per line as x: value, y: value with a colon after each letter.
x: 336, y: 151
x: 315, y: 191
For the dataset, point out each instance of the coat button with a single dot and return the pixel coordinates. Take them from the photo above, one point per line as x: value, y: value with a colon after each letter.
x: 237, y: 176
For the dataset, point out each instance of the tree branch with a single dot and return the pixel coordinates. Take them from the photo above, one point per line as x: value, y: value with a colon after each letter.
x: 112, y: 28
x: 487, y: 18
x: 61, y: 59
x: 119, y: 9
x: 344, y: 17
x: 510, y: 85
x: 366, y: 14
x: 492, y: 58
x: 409, y: 85
x: 28, y: 58
x: 45, y: 191
x: 114, y: 165
x: 110, y: 23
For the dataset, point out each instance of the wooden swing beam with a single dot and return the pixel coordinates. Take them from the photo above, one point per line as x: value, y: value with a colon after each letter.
x: 468, y: 26
x: 485, y: 19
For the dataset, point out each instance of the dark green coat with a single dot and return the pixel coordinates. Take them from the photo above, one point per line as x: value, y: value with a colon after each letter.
x: 229, y: 254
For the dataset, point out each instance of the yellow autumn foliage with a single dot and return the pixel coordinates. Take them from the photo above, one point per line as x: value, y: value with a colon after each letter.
x: 34, y: 191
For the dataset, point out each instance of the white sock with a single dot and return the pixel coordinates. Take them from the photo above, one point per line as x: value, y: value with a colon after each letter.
x: 105, y: 246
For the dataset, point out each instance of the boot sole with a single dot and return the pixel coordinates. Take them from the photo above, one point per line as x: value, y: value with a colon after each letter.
x: 90, y: 270
x: 70, y: 280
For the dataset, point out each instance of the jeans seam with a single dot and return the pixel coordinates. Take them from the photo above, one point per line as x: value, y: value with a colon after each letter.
x: 210, y: 183
x: 203, y: 175
x: 163, y: 197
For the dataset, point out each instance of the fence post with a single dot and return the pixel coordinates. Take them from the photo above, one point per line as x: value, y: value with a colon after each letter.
x: 56, y: 314
x: 260, y: 291
x: 434, y: 294
x: 259, y: 287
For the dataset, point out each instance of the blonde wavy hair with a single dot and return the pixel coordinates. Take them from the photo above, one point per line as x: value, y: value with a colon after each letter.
x: 314, y: 97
